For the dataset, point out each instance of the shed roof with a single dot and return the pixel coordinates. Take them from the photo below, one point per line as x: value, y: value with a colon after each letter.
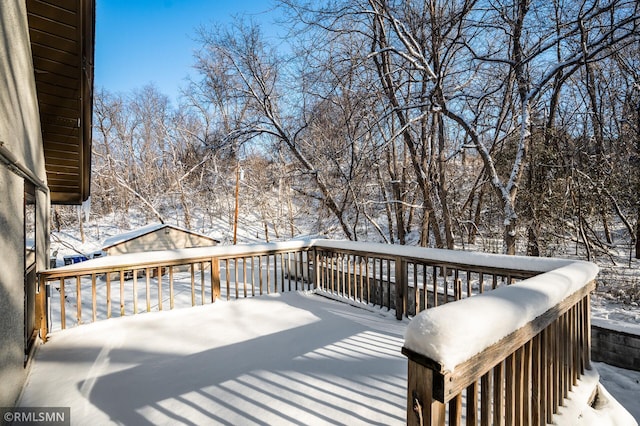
x: 145, y: 230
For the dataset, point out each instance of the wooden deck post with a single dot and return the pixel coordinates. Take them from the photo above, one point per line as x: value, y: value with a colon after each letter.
x: 215, y: 279
x: 401, y: 285
x: 41, y: 308
x: 422, y: 407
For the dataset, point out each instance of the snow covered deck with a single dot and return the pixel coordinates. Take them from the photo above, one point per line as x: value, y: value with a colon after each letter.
x: 299, y: 358
x: 290, y: 358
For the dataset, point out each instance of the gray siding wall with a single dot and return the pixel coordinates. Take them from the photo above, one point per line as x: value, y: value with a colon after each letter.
x: 20, y: 134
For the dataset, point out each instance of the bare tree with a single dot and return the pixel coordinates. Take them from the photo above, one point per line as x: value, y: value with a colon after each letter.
x: 259, y: 74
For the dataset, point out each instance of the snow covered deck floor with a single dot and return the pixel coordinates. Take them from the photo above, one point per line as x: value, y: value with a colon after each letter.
x: 290, y: 358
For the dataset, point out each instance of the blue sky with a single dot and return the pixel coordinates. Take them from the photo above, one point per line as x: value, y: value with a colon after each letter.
x: 152, y: 41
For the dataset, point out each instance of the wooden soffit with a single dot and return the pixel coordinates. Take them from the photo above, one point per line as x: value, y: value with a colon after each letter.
x: 62, y: 36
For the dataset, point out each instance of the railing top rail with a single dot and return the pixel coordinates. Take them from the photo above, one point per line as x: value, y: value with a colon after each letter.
x: 525, y: 264
x: 154, y: 259
x: 460, y: 259
x: 443, y: 336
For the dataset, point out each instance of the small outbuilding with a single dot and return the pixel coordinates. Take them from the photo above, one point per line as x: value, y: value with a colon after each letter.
x: 158, y: 236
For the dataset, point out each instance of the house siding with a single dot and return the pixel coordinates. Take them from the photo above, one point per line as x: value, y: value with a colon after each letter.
x: 20, y: 135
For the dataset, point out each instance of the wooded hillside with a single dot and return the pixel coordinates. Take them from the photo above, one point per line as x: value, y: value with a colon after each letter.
x: 436, y: 123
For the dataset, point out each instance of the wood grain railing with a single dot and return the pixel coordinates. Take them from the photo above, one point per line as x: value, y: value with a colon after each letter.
x: 521, y: 378
x: 411, y: 279
x: 154, y: 281
x: 405, y: 279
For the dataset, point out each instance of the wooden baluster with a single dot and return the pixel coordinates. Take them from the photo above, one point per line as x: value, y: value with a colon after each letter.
x: 388, y: 284
x: 227, y: 278
x: 455, y: 410
x: 252, y: 281
x: 108, y: 282
x: 537, y: 388
x: 282, y: 268
x: 260, y: 274
x: 94, y: 303
x: 472, y: 404
x: 586, y: 348
x: 171, y: 293
x: 193, y: 284
x: 401, y: 287
x: 485, y: 399
x: 235, y: 276
x: 416, y: 290
x: 435, y: 286
x: 498, y: 395
x: 424, y: 286
x: 381, y: 283
x: 135, y: 292
x: 367, y: 280
x: 122, y: 292
x: 269, y: 274
x: 244, y: 276
x: 509, y: 403
x: 215, y: 279
x: 547, y: 378
x: 159, y: 271
x: 298, y: 264
x: 526, y: 383
x: 554, y: 358
x: 63, y: 313
x: 148, y: 285
x: 349, y: 280
x: 202, y: 283
x: 78, y: 301
x: 333, y: 272
x: 445, y: 283
x: 519, y: 372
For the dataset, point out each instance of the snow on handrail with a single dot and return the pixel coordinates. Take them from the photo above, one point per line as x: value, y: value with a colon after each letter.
x: 444, y: 334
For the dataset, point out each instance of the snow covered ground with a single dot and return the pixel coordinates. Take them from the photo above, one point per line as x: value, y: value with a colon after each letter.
x: 291, y: 358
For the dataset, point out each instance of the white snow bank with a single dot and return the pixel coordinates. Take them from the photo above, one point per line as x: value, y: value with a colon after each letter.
x: 454, y: 332
x: 583, y: 408
x: 616, y: 325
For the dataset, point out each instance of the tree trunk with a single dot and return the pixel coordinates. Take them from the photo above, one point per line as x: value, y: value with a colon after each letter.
x: 424, y: 232
x: 473, y: 232
x: 638, y: 236
x: 533, y: 247
x: 510, y: 238
x: 442, y: 182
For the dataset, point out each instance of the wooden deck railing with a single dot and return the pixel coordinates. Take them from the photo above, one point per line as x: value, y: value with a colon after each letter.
x: 407, y: 279
x: 154, y: 279
x: 521, y: 378
x: 524, y: 375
